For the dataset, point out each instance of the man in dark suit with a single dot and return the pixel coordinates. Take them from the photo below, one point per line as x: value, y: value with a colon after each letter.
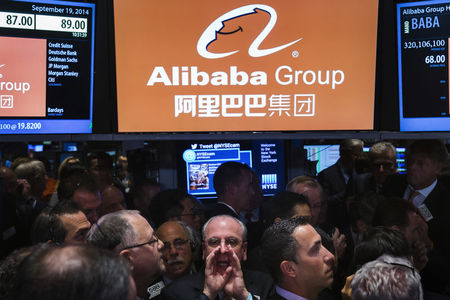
x: 129, y: 234
x: 382, y: 159
x: 337, y: 181
x: 224, y: 248
x: 233, y: 183
x: 421, y: 187
x: 301, y: 266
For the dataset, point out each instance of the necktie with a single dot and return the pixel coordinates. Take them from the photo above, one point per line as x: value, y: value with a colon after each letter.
x: 413, y: 193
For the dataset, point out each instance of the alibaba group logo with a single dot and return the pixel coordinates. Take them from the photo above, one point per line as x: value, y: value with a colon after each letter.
x: 215, y: 28
x: 1, y: 75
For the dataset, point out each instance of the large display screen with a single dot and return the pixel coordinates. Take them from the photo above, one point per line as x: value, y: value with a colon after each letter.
x: 187, y: 66
x: 46, y: 66
x: 423, y: 33
x: 201, y: 160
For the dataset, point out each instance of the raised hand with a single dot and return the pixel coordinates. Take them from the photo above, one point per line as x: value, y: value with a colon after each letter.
x: 235, y: 286
x: 215, y: 275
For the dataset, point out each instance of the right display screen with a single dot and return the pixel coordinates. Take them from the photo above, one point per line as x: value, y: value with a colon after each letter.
x: 423, y: 35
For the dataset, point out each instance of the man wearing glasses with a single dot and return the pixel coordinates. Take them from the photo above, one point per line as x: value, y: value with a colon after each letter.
x: 177, y: 250
x: 128, y: 233
x: 224, y: 248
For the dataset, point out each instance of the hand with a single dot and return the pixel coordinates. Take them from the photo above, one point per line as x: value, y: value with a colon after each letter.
x: 235, y: 287
x: 339, y: 243
x: 423, y: 232
x: 346, y: 291
x: 419, y: 253
x: 214, y: 280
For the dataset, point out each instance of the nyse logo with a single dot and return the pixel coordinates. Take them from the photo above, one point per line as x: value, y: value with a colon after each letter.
x: 215, y: 28
x: 269, y: 181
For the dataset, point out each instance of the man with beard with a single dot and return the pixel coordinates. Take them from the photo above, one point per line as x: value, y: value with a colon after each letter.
x: 177, y: 250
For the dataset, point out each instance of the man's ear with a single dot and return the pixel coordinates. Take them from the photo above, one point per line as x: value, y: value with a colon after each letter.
x: 230, y: 189
x: 361, y: 226
x: 276, y: 220
x: 288, y: 268
x: 128, y: 255
x: 438, y: 167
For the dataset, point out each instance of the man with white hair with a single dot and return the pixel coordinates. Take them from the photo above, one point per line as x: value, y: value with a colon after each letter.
x: 382, y: 159
x: 128, y: 233
x: 224, y: 248
x: 387, y: 278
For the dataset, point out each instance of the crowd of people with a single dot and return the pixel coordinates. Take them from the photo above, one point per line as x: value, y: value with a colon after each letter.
x: 355, y: 231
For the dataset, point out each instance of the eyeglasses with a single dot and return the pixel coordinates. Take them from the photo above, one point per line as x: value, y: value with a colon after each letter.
x: 152, y: 241
x: 229, y: 241
x: 177, y: 244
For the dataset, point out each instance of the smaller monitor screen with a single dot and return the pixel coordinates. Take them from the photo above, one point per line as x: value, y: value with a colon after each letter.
x: 70, y: 147
x: 201, y: 160
x: 401, y: 167
x: 328, y: 155
x: 423, y: 35
x: 324, y: 155
x: 36, y: 148
x: 46, y: 66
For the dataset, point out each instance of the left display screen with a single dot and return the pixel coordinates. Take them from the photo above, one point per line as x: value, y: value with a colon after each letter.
x: 46, y: 67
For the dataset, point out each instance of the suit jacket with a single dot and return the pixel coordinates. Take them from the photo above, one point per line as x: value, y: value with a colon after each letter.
x: 191, y: 287
x: 220, y: 209
x: 435, y: 276
x: 324, y: 295
x: 437, y: 202
x: 365, y: 183
x: 333, y: 182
